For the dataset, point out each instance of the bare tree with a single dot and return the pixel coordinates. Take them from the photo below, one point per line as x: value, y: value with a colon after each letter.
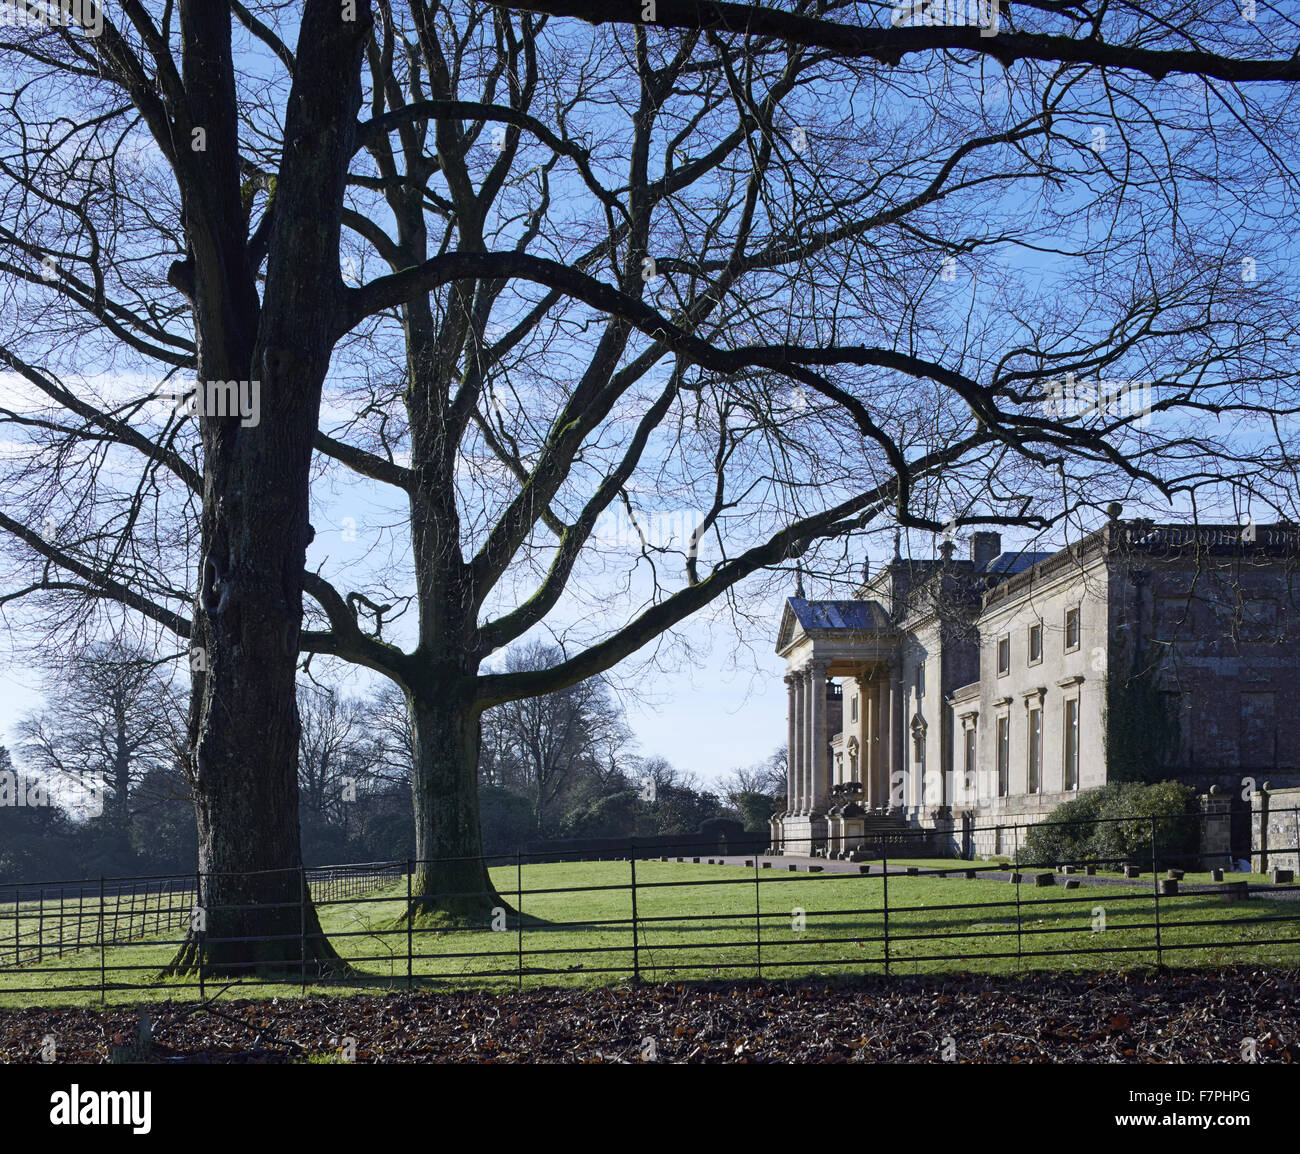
x: 545, y: 743
x: 767, y: 777
x: 338, y: 756
x: 755, y: 791
x: 165, y: 83
x: 801, y: 282
x: 109, y: 722
x: 741, y: 233
x: 389, y: 723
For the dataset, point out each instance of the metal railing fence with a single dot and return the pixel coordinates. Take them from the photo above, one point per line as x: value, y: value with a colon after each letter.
x: 760, y: 915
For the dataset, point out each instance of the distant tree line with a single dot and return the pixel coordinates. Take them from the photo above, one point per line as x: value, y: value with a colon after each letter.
x: 103, y: 765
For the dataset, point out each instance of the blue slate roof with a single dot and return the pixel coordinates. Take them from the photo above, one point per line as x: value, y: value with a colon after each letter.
x: 839, y: 614
x: 1009, y: 564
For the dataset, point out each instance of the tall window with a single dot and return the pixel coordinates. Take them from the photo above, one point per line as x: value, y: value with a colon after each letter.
x: 920, y: 680
x: 1004, y: 756
x: 1072, y: 628
x: 853, y: 708
x: 1004, y: 655
x: 1071, y: 757
x: 1035, y: 643
x: 1035, y: 750
x: 970, y: 761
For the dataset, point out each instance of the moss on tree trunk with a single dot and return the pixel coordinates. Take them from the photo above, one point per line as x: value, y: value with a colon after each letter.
x: 451, y: 885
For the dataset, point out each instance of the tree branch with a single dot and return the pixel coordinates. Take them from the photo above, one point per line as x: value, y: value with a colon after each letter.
x: 890, y: 45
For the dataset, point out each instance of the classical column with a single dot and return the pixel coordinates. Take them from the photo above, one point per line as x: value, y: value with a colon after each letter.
x: 792, y: 744
x: 897, y: 739
x: 863, y: 733
x: 805, y: 724
x: 799, y: 752
x: 884, y: 741
x: 871, y: 770
x: 819, y: 771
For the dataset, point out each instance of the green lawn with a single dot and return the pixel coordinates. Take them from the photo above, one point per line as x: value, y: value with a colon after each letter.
x: 701, y: 924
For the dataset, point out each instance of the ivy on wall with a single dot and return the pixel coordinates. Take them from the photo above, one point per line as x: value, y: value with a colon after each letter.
x: 1142, y: 730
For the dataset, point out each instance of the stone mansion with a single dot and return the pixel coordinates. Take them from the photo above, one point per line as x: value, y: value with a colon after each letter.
x: 974, y: 695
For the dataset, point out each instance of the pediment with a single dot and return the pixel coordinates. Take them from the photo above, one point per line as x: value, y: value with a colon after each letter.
x: 802, y: 618
x: 790, y: 631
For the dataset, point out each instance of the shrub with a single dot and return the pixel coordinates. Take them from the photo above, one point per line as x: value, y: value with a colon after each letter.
x: 1115, y: 827
x: 610, y: 815
x: 1129, y: 838
x: 1054, y: 844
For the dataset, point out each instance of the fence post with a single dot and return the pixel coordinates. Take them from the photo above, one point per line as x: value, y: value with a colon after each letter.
x: 103, y: 983
x: 1015, y: 868
x: 410, y: 918
x: 519, y: 910
x: 758, y: 918
x: 40, y: 925
x: 302, y: 926
x: 1295, y: 815
x: 1155, y: 891
x: 636, y: 955
x: 200, y: 935
x: 1263, y: 833
x: 884, y: 876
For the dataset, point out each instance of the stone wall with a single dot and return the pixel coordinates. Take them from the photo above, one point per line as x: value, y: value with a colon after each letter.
x: 999, y: 832
x: 1274, y: 829
x: 997, y: 835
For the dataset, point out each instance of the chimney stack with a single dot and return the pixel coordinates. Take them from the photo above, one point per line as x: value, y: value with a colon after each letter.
x: 984, y: 547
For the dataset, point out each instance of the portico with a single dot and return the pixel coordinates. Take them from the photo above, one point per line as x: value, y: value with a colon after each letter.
x: 852, y: 642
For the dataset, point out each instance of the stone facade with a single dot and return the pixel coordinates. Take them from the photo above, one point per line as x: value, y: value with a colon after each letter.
x: 979, y: 693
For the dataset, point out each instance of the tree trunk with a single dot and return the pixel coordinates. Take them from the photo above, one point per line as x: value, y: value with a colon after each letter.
x: 120, y: 814
x: 246, y: 753
x: 244, y: 724
x: 451, y: 884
